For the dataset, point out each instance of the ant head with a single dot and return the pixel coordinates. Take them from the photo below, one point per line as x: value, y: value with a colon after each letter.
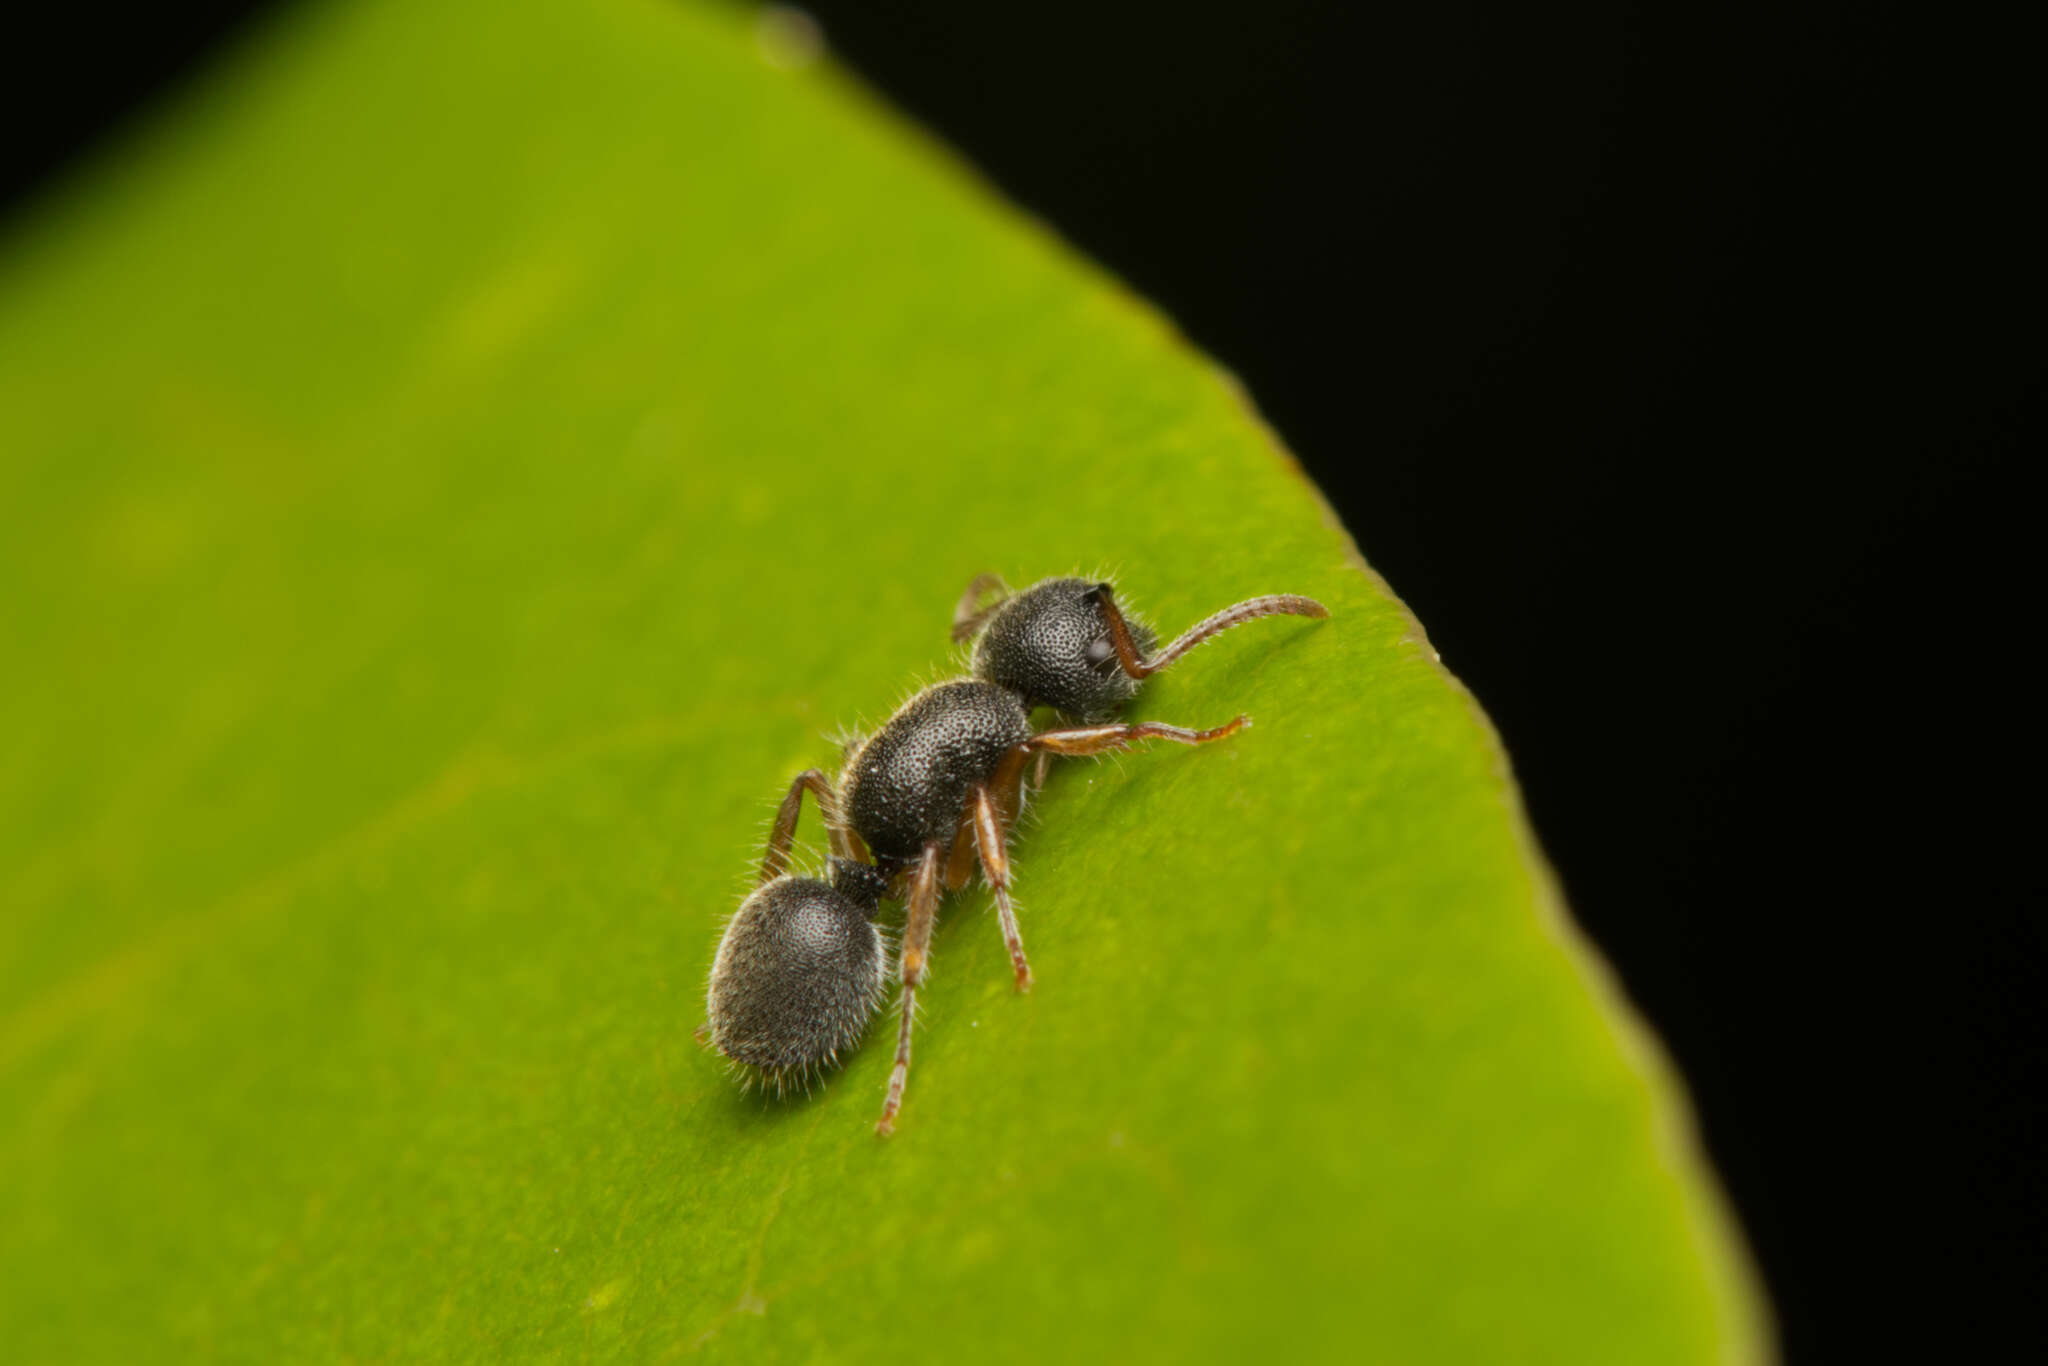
x: 1050, y: 644
x: 798, y: 974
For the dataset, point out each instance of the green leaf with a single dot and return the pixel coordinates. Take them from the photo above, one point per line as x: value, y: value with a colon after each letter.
x: 457, y: 467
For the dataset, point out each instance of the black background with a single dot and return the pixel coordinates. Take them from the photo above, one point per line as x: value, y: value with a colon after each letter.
x: 1676, y: 367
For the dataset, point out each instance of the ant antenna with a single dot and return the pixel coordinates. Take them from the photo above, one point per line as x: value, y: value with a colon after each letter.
x: 1271, y: 605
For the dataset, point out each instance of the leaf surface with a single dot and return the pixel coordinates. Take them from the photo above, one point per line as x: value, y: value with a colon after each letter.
x: 458, y: 465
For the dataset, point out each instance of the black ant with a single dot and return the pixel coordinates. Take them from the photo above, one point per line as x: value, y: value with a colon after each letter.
x: 927, y: 796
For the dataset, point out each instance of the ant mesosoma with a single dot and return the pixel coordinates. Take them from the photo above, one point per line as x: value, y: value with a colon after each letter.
x: 920, y: 802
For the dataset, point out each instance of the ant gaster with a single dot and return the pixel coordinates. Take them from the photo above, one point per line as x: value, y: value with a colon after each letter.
x: 937, y: 787
x: 801, y: 967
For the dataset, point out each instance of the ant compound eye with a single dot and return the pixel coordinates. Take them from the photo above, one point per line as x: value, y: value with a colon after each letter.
x: 1099, y: 653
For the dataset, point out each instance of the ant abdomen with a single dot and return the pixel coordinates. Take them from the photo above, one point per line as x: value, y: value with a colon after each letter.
x: 799, y: 973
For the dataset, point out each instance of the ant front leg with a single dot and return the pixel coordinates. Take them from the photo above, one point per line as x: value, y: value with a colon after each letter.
x: 995, y: 866
x: 923, y: 903
x: 1078, y: 741
x: 971, y: 612
x: 783, y: 833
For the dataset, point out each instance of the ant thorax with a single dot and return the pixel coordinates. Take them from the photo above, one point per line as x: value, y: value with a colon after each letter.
x: 907, y: 784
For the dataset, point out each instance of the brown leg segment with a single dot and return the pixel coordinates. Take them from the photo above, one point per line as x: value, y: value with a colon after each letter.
x: 923, y: 902
x: 1008, y: 791
x: 776, y: 861
x: 960, y: 862
x: 1272, y: 605
x: 970, y: 614
x: 995, y: 866
x: 1083, y: 740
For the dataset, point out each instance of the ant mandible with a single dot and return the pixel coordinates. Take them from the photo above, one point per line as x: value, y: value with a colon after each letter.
x: 926, y: 797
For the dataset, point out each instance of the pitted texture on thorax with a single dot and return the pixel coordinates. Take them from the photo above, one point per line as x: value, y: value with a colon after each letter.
x: 1050, y: 646
x: 906, y: 787
x: 798, y: 974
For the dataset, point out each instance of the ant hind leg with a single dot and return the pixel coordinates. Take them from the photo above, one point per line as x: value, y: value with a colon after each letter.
x: 923, y: 902
x: 775, y: 862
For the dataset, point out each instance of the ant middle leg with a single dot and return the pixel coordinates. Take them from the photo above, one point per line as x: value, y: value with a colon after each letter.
x: 1251, y: 609
x: 782, y: 834
x: 995, y: 866
x: 923, y: 903
x: 960, y: 861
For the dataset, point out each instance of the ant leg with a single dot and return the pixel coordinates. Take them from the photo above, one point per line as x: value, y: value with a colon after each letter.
x: 1009, y: 791
x: 917, y: 940
x: 960, y: 862
x: 1006, y: 796
x: 1011, y: 778
x: 1273, y: 604
x: 970, y: 614
x: 776, y: 861
x: 995, y: 866
x: 1084, y: 740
